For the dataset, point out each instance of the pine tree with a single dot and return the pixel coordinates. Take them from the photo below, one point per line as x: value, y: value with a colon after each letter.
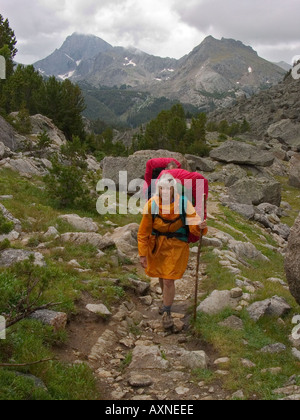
x: 8, y: 43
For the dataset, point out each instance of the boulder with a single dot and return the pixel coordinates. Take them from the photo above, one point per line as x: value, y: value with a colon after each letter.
x: 84, y: 224
x: 141, y: 287
x: 7, y: 135
x: 93, y: 164
x: 9, y: 257
x: 135, y: 165
x: 98, y: 309
x: 99, y: 241
x: 242, y: 153
x: 57, y: 320
x: 194, y: 359
x: 201, y: 164
x: 286, y: 131
x: 125, y: 239
x: 26, y: 165
x: 217, y: 302
x: 245, y: 210
x: 144, y: 357
x: 112, y: 167
x: 276, y: 306
x: 40, y: 123
x: 255, y: 191
x: 246, y: 250
x: 292, y: 261
x: 294, y: 175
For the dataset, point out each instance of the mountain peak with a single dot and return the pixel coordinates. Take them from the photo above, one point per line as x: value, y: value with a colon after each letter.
x: 81, y: 46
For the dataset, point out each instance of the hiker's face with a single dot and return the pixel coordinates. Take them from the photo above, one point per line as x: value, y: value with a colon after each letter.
x: 166, y: 195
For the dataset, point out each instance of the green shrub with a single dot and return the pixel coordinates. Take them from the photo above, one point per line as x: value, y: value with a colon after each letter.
x: 44, y: 141
x: 5, y: 225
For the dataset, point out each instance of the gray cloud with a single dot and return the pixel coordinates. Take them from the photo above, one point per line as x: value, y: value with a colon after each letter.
x: 166, y: 28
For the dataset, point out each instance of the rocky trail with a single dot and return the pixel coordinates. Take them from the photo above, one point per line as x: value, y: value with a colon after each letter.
x: 133, y: 358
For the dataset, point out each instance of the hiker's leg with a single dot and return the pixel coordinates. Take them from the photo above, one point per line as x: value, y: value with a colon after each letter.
x: 169, y: 296
x: 161, y: 283
x: 169, y: 292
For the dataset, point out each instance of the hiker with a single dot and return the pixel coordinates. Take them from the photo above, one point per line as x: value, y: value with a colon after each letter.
x: 182, y: 176
x: 153, y: 170
x: 163, y: 239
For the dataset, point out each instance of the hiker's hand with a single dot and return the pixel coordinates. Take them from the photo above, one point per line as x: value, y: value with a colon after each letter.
x: 144, y: 262
x: 203, y: 225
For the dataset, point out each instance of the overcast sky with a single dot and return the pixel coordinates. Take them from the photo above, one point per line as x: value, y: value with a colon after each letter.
x: 160, y: 27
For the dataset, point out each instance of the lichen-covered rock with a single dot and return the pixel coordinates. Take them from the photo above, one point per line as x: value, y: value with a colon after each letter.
x: 57, y: 320
x: 10, y: 257
x: 242, y: 153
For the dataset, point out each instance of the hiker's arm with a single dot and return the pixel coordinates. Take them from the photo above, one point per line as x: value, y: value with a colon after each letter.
x: 145, y: 231
x: 194, y: 221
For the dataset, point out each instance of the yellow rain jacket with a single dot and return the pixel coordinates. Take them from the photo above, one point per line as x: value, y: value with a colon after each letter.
x: 167, y: 257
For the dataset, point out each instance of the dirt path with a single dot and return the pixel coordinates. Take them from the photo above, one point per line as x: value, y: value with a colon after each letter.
x: 131, y: 355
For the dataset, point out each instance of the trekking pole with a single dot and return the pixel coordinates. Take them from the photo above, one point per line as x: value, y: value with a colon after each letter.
x: 203, y: 212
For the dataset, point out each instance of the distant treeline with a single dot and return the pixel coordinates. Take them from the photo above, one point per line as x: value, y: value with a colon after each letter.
x: 26, y: 91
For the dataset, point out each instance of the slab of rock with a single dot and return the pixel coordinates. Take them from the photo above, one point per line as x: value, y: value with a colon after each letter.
x: 243, y: 154
x: 201, y: 164
x: 217, y: 302
x: 141, y: 288
x: 40, y: 123
x: 125, y: 239
x: 274, y: 348
x: 99, y: 241
x: 245, y: 210
x: 7, y: 135
x: 57, y: 320
x: 246, y: 250
x: 25, y: 166
x: 10, y: 257
x: 276, y: 306
x: 144, y: 357
x: 292, y: 261
x: 285, y: 131
x: 255, y: 191
x: 107, y: 340
x: 99, y: 310
x: 288, y: 390
x: 84, y: 224
x: 194, y: 359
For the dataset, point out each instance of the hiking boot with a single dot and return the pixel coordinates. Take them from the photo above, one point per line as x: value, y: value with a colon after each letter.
x: 161, y: 310
x: 168, y: 322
